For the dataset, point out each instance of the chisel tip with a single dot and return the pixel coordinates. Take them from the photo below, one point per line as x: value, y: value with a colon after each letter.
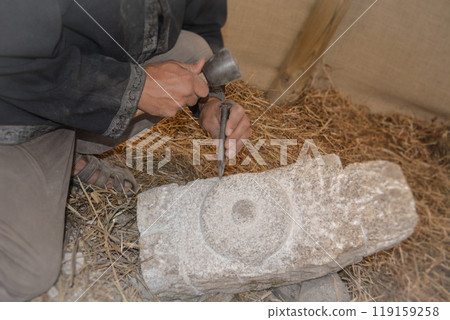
x: 221, y: 169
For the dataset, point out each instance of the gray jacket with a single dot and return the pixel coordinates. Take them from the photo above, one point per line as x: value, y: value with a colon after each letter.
x: 58, y: 68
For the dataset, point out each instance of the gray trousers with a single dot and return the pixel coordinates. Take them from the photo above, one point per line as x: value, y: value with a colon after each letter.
x: 34, y: 183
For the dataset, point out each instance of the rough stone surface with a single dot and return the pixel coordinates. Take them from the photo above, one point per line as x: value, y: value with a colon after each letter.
x: 325, y: 289
x: 53, y: 293
x: 329, y: 288
x: 288, y: 293
x: 67, y: 263
x: 254, y: 231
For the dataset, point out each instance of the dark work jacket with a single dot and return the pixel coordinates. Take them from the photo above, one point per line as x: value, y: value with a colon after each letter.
x: 58, y: 68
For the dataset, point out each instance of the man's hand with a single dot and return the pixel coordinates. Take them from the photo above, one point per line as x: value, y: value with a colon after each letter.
x: 238, y: 125
x: 181, y: 80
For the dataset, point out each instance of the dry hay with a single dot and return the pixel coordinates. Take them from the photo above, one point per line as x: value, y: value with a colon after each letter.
x: 102, y: 225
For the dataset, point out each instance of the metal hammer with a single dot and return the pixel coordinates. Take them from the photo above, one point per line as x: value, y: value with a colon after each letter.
x: 221, y: 68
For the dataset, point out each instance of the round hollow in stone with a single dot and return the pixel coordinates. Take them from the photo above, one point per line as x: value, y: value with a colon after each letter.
x: 243, y: 211
x: 246, y: 220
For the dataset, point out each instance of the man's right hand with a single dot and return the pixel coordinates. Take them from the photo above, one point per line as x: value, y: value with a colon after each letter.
x: 180, y: 80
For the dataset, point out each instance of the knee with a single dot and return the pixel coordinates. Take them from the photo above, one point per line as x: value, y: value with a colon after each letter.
x: 196, y: 42
x: 25, y: 282
x: 194, y: 45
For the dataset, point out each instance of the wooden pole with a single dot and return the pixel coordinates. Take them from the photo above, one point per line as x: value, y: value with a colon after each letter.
x: 311, y: 42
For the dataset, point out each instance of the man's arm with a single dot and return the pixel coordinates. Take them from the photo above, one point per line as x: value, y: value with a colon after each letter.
x: 43, y: 76
x: 206, y: 18
x: 75, y: 89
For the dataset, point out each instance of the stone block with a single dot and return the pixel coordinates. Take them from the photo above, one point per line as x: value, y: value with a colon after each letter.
x: 329, y: 288
x: 288, y: 293
x: 255, y: 231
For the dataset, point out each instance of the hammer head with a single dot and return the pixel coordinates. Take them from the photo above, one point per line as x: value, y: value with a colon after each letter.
x: 221, y: 68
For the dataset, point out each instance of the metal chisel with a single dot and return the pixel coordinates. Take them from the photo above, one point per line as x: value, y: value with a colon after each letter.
x: 224, y: 115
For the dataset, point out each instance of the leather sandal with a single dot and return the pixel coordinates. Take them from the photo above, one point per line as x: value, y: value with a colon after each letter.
x: 120, y: 178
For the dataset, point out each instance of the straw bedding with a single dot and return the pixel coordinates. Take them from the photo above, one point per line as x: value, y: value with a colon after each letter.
x: 102, y: 226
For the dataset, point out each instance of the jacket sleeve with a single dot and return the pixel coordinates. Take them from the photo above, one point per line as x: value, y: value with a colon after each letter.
x: 75, y: 89
x: 64, y: 84
x: 206, y: 18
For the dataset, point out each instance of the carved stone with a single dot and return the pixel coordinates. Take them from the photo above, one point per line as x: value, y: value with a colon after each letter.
x: 254, y: 231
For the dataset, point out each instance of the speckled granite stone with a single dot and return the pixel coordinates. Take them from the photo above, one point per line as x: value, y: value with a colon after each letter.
x: 260, y: 230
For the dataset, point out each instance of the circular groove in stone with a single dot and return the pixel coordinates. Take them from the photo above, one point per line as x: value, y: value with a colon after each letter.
x: 241, y: 218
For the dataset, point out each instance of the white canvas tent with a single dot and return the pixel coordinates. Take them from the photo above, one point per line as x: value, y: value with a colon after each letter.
x: 396, y: 57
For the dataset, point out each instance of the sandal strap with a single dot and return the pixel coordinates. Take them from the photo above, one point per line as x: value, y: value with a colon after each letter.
x: 105, y: 172
x: 92, y: 165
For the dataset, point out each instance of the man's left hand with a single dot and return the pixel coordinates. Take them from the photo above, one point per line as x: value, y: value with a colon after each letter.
x: 238, y: 125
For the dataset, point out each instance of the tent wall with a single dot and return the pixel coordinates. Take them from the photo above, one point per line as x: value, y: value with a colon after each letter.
x: 395, y: 58
x: 260, y: 34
